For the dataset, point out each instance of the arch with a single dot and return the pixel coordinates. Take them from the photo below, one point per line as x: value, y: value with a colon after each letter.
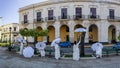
x: 64, y: 33
x: 51, y: 34
x: 93, y: 33
x: 39, y: 38
x: 112, y: 34
x: 76, y: 34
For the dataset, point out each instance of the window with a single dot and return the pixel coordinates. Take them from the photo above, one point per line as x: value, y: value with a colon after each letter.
x: 92, y: 12
x: 15, y: 28
x: 111, y: 13
x: 64, y: 13
x: 38, y: 16
x: 25, y: 19
x: 78, y: 12
x: 50, y: 14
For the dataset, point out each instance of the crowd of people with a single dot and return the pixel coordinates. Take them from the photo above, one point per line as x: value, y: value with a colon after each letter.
x: 28, y: 51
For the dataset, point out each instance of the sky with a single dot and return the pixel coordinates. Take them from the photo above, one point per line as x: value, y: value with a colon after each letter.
x: 9, y: 9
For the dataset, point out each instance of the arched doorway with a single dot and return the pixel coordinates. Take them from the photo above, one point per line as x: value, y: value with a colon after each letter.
x: 76, y: 34
x: 93, y: 33
x: 112, y: 34
x: 51, y: 34
x: 64, y: 33
x: 39, y: 38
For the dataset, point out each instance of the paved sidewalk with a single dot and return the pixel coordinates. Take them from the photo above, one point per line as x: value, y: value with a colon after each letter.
x: 13, y: 60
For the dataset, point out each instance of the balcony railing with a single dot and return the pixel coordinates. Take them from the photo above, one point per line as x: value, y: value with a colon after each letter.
x: 93, y: 17
x: 78, y: 17
x: 25, y: 22
x: 113, y: 18
x: 50, y: 19
x: 66, y: 17
x: 38, y: 20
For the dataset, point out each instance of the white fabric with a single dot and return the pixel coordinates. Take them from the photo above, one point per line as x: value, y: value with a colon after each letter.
x: 57, y: 51
x: 21, y: 48
x: 94, y: 46
x: 21, y: 40
x: 80, y: 30
x: 98, y: 52
x: 56, y: 41
x: 76, y: 52
x: 40, y: 46
x: 28, y: 52
x: 97, y: 47
x: 42, y: 51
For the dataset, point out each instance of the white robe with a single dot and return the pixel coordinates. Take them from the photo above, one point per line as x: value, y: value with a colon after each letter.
x: 57, y: 51
x: 21, y: 48
x: 76, y: 51
x: 98, y: 52
x: 42, y: 51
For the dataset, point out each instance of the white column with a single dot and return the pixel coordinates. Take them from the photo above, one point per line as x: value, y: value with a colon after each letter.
x: 103, y: 31
x: 71, y: 31
x: 57, y: 29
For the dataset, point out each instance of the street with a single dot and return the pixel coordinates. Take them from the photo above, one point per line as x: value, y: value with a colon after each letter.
x: 14, y: 60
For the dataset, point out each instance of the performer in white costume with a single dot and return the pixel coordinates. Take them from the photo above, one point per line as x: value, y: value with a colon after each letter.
x: 41, y: 46
x: 98, y: 51
x: 57, y: 48
x: 97, y: 47
x: 76, y: 52
x: 22, y: 41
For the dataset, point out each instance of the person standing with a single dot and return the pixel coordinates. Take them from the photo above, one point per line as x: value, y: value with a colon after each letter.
x: 76, y: 52
x: 41, y: 46
x: 57, y: 48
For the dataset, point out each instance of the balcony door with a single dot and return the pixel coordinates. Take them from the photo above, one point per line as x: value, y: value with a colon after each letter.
x: 25, y: 19
x: 78, y: 12
x: 92, y: 12
x: 50, y: 14
x: 38, y: 16
x: 111, y: 13
x: 64, y: 13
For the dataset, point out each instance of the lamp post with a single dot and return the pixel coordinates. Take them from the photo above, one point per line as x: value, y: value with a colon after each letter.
x: 9, y: 48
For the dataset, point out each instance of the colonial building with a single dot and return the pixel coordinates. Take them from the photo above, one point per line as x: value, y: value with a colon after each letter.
x: 10, y: 32
x: 101, y: 18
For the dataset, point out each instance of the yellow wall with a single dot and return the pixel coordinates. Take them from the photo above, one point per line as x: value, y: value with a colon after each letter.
x: 94, y: 33
x: 63, y: 33
x: 39, y: 38
x: 51, y: 34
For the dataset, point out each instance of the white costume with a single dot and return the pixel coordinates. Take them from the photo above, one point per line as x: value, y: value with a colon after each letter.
x: 21, y: 48
x: 40, y: 46
x: 57, y: 51
x: 57, y: 48
x: 28, y: 52
x: 76, y: 52
x: 97, y: 47
x: 98, y: 51
x: 22, y: 41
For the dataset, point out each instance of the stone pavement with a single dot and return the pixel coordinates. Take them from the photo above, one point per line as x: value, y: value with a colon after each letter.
x: 13, y: 60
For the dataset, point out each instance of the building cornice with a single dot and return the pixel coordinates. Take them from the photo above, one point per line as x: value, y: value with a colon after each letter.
x: 58, y: 2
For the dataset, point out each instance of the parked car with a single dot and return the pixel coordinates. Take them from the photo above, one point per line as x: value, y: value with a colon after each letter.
x: 117, y: 45
x: 65, y: 44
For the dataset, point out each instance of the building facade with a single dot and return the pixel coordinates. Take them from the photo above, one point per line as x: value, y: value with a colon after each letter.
x: 9, y: 32
x: 101, y: 18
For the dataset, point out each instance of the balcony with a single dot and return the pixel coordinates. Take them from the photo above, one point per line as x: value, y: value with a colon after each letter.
x: 113, y: 18
x: 78, y: 17
x: 63, y: 18
x: 25, y: 22
x: 50, y: 19
x: 93, y: 17
x: 38, y: 20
